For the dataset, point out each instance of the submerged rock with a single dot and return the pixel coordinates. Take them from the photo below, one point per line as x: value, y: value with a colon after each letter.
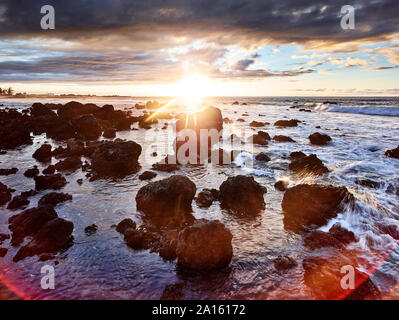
x: 393, y: 153
x: 324, y: 278
x: 284, y: 263
x: 117, y: 158
x: 52, y: 237
x: 29, y: 222
x: 242, y: 194
x: 319, y: 139
x: 7, y: 172
x: 54, y: 198
x: 306, y: 205
x: 92, y: 229
x: 205, y: 245
x: 310, y: 164
x: 53, y: 181
x: 368, y: 183
x: 166, y: 197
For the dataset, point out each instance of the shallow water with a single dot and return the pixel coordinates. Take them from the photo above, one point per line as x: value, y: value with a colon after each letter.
x: 101, y: 266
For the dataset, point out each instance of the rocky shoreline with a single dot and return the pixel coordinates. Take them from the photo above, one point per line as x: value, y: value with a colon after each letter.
x: 169, y: 228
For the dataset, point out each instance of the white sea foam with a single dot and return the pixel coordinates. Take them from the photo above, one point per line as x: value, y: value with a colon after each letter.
x: 369, y: 110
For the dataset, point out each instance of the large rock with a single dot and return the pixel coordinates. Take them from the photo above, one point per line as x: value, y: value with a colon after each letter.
x: 287, y: 123
x: 262, y: 138
x: 310, y: 164
x: 14, y: 129
x: 75, y: 109
x: 60, y: 129
x: 87, y: 127
x: 242, y: 194
x: 281, y: 138
x: 18, y: 202
x: 53, y: 181
x: 210, y: 118
x: 5, y: 194
x: 54, y: 198
x: 313, y: 205
x: 69, y: 164
x: 29, y: 222
x: 117, y: 159
x: 324, y: 278
x: 43, y: 154
x: 40, y: 110
x: 167, y: 197
x: 205, y: 245
x: 52, y: 237
x: 394, y: 153
x: 319, y: 139
x: 206, y: 197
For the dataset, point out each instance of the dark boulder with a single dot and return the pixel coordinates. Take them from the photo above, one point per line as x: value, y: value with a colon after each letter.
x: 54, y: 181
x: 29, y: 222
x: 87, y: 127
x: 262, y: 157
x: 262, y: 138
x: 281, y: 185
x: 43, y: 154
x: 166, y: 197
x: 125, y: 224
x: 40, y: 110
x: 242, y: 194
x: 69, y: 164
x: 257, y: 124
x: 54, y: 236
x: 280, y: 138
x: 368, y: 183
x: 206, y: 197
x: 7, y: 172
x: 310, y: 164
x: 205, y: 245
x: 147, y: 175
x: 141, y: 239
x: 210, y: 118
x: 60, y: 129
x: 32, y: 172
x: 3, y: 252
x: 286, y: 123
x: 5, y: 194
x: 49, y: 170
x: 75, y: 109
x: 92, y: 229
x: 319, y: 139
x: 116, y: 158
x: 305, y: 205
x: 18, y: 202
x: 393, y: 153
x: 109, y: 133
x: 54, y: 198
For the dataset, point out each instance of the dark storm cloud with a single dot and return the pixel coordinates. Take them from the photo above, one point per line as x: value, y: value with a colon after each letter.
x: 290, y: 20
x: 124, y: 40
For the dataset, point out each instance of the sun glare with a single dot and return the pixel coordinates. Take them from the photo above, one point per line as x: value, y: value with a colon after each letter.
x: 192, y: 89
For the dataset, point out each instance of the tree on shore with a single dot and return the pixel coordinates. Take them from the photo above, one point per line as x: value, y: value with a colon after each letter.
x: 9, y: 91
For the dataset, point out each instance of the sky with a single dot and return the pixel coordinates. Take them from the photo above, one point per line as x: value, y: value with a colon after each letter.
x: 215, y: 47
